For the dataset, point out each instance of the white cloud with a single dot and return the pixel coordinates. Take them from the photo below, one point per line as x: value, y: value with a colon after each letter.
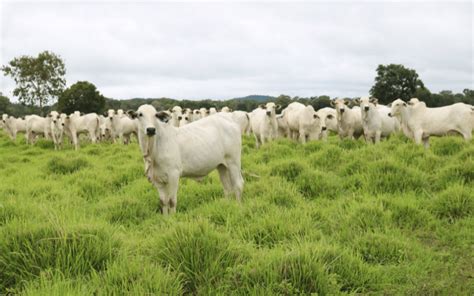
x: 218, y: 50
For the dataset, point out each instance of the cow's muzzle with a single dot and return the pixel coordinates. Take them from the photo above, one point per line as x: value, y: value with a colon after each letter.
x: 269, y: 113
x: 150, y: 131
x: 341, y: 110
x: 366, y: 108
x: 324, y: 128
x: 389, y: 114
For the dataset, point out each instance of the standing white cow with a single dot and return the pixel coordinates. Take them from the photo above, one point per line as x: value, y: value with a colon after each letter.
x: 242, y: 119
x: 196, y: 114
x: 14, y: 125
x: 35, y: 126
x: 263, y: 123
x: 123, y: 127
x: 302, y: 122
x: 175, y: 112
x: 420, y: 122
x: 57, y: 129
x: 327, y: 121
x: 226, y: 109
x: 203, y: 112
x: 349, y: 121
x: 193, y: 151
x: 375, y: 120
x: 183, y: 120
x: 212, y: 111
x: 75, y: 125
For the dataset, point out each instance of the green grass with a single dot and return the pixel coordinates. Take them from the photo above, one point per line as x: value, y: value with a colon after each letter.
x: 340, y: 217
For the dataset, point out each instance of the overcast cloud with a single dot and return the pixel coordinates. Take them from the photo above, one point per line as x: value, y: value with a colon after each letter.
x: 219, y: 51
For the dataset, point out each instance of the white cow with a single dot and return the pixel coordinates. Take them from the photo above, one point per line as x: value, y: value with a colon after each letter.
x: 204, y: 112
x: 349, y: 121
x: 282, y: 126
x: 123, y: 127
x: 375, y: 120
x: 184, y: 119
x: 35, y: 126
x: 420, y: 122
x: 226, y: 109
x: 14, y: 125
x: 196, y: 114
x: 75, y: 125
x: 105, y: 128
x: 302, y: 122
x: 175, y: 112
x: 56, y: 128
x: 328, y: 122
x: 212, y: 111
x: 193, y: 151
x: 242, y: 119
x: 263, y: 123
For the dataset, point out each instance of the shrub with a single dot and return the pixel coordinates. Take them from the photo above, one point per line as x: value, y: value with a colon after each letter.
x: 58, y: 165
x: 26, y: 250
x: 454, y: 203
x: 198, y: 253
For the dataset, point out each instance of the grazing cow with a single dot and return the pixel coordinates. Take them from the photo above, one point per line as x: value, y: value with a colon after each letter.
x: 193, y: 151
x: 57, y: 129
x: 14, y: 125
x: 37, y: 125
x: 327, y: 121
x: 375, y: 120
x: 263, y: 123
x: 242, y: 119
x: 420, y: 122
x: 349, y: 121
x: 175, y: 112
x: 75, y: 125
x: 226, y: 109
x: 302, y: 122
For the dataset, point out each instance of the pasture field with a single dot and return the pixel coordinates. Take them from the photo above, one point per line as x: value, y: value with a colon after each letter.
x: 330, y: 218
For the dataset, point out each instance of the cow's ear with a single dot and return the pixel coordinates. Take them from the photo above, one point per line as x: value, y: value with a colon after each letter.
x: 374, y: 101
x: 404, y: 104
x: 163, y: 116
x: 278, y: 106
x: 389, y: 105
x: 67, y: 116
x: 357, y: 101
x: 105, y: 114
x: 132, y: 114
x: 346, y: 102
x: 49, y: 115
x: 180, y: 117
x: 333, y: 103
x: 82, y: 113
x: 262, y: 106
x: 330, y: 116
x: 230, y: 110
x: 315, y: 116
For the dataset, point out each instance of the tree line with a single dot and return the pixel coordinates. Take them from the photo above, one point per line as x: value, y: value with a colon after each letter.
x: 40, y: 88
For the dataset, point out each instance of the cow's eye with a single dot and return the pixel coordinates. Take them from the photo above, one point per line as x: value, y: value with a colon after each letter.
x: 140, y: 114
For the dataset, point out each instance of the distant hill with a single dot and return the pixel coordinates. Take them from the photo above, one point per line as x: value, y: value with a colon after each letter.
x: 258, y: 98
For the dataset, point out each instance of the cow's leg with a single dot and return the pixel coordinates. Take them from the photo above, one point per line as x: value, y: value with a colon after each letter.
x: 302, y: 136
x: 257, y: 141
x: 237, y: 180
x: 163, y: 195
x: 173, y: 184
x: 426, y: 142
x: 417, y: 136
x: 378, y: 134
x: 75, y: 141
x: 467, y: 134
x: 225, y: 179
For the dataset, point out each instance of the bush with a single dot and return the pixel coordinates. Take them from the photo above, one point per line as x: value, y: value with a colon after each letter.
x: 26, y: 250
x: 454, y: 203
x: 59, y: 165
x: 198, y: 253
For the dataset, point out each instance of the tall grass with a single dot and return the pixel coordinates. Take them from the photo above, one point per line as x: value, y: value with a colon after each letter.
x: 323, y: 218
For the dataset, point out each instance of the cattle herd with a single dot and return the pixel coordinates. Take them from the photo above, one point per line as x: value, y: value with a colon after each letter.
x: 192, y: 143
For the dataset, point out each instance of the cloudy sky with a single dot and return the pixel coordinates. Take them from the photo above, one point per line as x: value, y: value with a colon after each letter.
x: 195, y: 50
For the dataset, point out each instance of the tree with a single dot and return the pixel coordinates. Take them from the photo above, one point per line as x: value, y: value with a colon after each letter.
x: 39, y: 80
x: 81, y: 96
x: 4, y: 104
x: 395, y: 82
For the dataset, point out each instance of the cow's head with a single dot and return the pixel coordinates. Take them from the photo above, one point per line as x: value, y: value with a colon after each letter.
x: 397, y: 107
x: 270, y: 108
x: 413, y: 101
x: 147, y: 117
x: 340, y: 105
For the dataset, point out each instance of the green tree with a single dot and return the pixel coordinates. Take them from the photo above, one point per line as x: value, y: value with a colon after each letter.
x: 39, y: 80
x: 4, y: 104
x: 395, y: 82
x: 81, y: 96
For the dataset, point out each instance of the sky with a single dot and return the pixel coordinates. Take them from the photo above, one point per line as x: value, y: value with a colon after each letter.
x: 216, y: 50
